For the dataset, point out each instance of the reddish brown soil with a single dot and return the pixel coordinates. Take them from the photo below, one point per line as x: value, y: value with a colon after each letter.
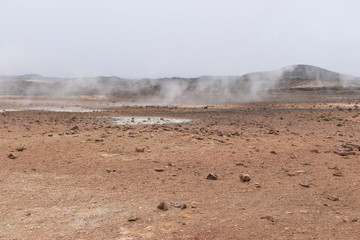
x: 79, y: 177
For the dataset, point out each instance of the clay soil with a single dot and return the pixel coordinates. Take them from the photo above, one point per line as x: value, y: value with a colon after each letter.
x: 77, y: 176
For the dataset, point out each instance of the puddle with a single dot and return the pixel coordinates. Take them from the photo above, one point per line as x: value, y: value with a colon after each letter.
x: 147, y: 120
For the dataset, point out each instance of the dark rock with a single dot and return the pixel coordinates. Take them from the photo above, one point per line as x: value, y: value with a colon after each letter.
x: 12, y: 156
x: 20, y: 149
x: 163, y: 206
x: 269, y: 218
x: 133, y: 219
x: 140, y: 149
x: 332, y: 198
x: 212, y: 176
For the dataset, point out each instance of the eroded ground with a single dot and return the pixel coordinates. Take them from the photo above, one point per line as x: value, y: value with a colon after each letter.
x: 77, y: 176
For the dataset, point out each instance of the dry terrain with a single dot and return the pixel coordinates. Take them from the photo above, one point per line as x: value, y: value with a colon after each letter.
x: 75, y: 175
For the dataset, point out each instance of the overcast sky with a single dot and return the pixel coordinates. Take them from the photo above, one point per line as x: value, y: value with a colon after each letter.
x: 186, y: 38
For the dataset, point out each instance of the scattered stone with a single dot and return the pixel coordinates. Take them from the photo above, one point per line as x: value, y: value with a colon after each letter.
x: 269, y: 218
x: 110, y: 170
x: 245, y: 177
x: 337, y: 173
x: 257, y: 185
x: 332, y: 198
x: 304, y: 184
x: 314, y: 151
x: 344, y: 153
x: 133, y: 219
x: 163, y: 206
x: 212, y: 176
x: 20, y: 149
x: 140, y: 149
x: 355, y: 219
x: 159, y: 169
x: 273, y: 152
x: 74, y: 128
x: 180, y: 205
x: 12, y: 156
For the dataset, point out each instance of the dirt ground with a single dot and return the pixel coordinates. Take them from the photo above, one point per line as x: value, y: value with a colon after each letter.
x: 71, y: 175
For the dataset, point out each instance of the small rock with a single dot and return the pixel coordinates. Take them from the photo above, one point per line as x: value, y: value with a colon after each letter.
x: 159, y: 170
x: 20, y: 149
x: 74, y: 128
x: 344, y: 153
x: 133, y: 219
x: 257, y: 185
x: 332, y: 198
x: 304, y: 184
x: 12, y: 156
x: 140, y: 149
x: 245, y: 177
x: 269, y: 218
x: 355, y: 219
x: 163, y: 206
x: 180, y: 205
x: 212, y: 176
x: 337, y: 173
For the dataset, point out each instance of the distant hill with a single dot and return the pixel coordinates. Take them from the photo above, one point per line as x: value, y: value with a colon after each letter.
x: 224, y: 88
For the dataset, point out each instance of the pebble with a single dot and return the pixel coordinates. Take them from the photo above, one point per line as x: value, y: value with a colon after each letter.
x: 163, y: 206
x: 332, y: 198
x: 212, y: 176
x: 139, y: 149
x: 12, y: 156
x: 245, y: 177
x: 133, y: 219
x: 269, y: 218
x: 304, y: 184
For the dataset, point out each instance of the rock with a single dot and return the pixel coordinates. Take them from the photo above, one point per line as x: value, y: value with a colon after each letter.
x: 159, y: 169
x: 133, y: 219
x: 257, y: 185
x: 12, y: 156
x: 245, y: 177
x: 269, y: 218
x: 212, y: 176
x: 355, y: 219
x: 344, y: 153
x: 74, y: 128
x: 163, y: 206
x: 140, y: 149
x: 180, y: 205
x: 337, y: 173
x: 332, y: 198
x: 304, y: 184
x: 20, y: 149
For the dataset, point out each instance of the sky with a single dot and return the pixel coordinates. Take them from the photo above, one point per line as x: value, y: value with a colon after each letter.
x: 184, y: 38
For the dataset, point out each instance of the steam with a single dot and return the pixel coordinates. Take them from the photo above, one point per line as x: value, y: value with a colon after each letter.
x: 256, y: 86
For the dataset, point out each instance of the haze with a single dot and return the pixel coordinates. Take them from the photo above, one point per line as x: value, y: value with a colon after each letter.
x: 185, y: 38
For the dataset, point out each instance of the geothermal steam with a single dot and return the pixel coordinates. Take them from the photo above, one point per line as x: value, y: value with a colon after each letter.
x: 203, y: 90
